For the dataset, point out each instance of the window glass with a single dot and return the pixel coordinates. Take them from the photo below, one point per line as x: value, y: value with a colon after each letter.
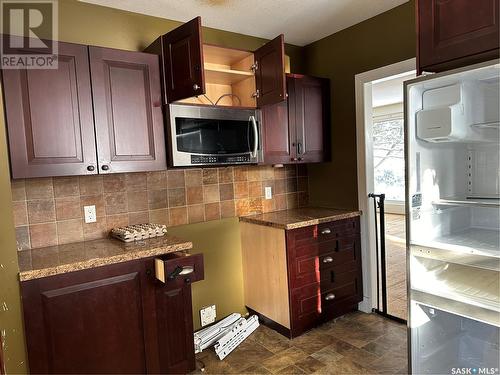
x: 388, y: 161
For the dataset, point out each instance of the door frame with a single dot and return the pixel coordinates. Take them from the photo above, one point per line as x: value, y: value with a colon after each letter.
x: 364, y: 148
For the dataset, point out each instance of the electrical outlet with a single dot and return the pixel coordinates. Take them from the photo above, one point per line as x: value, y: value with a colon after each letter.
x: 90, y: 215
x: 207, y: 315
x: 268, y: 192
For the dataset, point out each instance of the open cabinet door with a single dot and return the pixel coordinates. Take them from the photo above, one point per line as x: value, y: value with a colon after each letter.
x: 270, y: 72
x: 183, y: 60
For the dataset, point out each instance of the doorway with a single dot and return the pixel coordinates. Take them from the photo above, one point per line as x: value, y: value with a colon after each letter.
x: 380, y: 146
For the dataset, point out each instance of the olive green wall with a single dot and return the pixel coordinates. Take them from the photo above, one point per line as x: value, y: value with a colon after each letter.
x: 218, y: 240
x: 11, y: 329
x: 379, y: 41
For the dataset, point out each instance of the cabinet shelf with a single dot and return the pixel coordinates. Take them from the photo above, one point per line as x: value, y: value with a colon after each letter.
x: 224, y: 76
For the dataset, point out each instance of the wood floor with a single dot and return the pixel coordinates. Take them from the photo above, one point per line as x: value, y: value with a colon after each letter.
x: 396, y: 265
x: 357, y: 343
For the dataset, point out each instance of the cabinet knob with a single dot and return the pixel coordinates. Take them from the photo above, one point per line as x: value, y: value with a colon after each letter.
x: 326, y: 231
x: 294, y: 159
x: 328, y: 260
x: 329, y: 297
x: 105, y: 167
x: 90, y: 168
x: 256, y: 94
x: 196, y: 87
x: 300, y: 159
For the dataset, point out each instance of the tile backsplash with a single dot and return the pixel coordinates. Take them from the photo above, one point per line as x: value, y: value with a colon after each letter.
x: 49, y: 211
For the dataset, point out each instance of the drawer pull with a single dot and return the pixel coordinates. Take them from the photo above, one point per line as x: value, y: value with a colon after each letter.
x: 329, y: 297
x: 326, y: 231
x: 178, y: 271
x: 327, y: 260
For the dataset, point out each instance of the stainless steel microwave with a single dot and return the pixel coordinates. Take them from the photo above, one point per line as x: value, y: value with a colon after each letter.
x: 209, y: 135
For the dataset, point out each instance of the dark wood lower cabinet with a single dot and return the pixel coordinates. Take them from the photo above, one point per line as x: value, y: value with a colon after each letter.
x: 111, y: 319
x: 297, y: 279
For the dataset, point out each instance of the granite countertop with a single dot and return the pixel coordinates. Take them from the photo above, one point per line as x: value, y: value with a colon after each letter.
x: 54, y: 260
x: 299, y: 217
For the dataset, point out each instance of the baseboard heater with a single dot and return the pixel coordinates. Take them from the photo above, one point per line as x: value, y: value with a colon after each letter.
x: 225, y: 335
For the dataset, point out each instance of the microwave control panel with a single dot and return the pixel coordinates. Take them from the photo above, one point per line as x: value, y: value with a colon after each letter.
x: 219, y: 159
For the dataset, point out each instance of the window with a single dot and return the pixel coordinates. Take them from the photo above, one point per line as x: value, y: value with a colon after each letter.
x: 388, y: 156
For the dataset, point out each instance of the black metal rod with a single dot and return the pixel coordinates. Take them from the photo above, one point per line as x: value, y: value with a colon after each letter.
x: 381, y: 266
x: 374, y: 196
x: 383, y: 270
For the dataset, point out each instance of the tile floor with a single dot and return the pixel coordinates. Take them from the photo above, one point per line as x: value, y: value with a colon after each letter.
x: 396, y: 265
x: 356, y: 343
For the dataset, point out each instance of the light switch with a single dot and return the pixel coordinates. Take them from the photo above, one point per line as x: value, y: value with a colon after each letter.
x: 268, y: 190
x: 90, y: 214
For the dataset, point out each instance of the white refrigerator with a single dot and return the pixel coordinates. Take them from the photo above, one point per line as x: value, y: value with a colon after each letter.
x: 452, y: 220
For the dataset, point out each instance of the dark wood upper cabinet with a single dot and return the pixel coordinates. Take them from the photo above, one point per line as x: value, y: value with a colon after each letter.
x: 455, y: 33
x: 49, y: 117
x: 276, y: 137
x: 297, y: 130
x: 270, y: 72
x: 127, y: 110
x: 202, y: 74
x: 308, y: 105
x: 181, y: 55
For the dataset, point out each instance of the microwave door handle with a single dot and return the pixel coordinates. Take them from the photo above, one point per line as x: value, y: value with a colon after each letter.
x: 255, y: 136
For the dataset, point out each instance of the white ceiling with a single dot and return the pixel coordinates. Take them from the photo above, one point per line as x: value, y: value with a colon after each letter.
x: 389, y: 90
x: 302, y: 21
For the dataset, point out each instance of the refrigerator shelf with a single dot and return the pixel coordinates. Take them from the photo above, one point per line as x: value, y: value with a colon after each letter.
x: 476, y: 202
x: 456, y: 307
x: 469, y: 259
x: 487, y: 125
x: 456, y: 282
x: 471, y: 240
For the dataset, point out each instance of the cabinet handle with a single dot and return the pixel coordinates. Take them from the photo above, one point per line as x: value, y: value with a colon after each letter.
x: 328, y: 260
x: 90, y: 168
x: 294, y: 159
x: 300, y: 159
x: 337, y: 245
x: 326, y: 231
x: 299, y: 148
x: 256, y: 94
x: 329, y: 297
x: 196, y: 87
x: 105, y: 167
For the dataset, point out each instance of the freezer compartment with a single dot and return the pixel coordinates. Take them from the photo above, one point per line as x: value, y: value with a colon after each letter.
x: 466, y: 284
x: 445, y: 343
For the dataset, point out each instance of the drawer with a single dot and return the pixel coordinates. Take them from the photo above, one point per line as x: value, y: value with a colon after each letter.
x: 306, y: 262
x: 339, y: 228
x: 312, y: 304
x: 323, y: 232
x: 178, y: 269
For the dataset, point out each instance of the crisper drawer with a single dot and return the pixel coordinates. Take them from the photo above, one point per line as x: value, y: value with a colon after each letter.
x: 179, y: 269
x: 306, y: 261
x: 323, y: 232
